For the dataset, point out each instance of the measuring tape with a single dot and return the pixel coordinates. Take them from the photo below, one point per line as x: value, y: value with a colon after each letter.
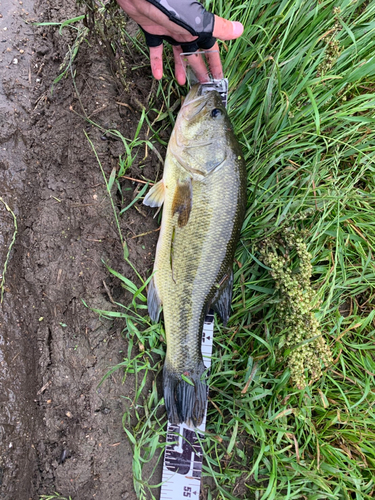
x: 183, y: 457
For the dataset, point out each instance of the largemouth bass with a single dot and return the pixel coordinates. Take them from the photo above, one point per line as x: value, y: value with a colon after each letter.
x: 204, y: 194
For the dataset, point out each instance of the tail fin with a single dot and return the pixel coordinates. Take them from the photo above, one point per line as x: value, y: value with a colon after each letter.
x: 184, y: 401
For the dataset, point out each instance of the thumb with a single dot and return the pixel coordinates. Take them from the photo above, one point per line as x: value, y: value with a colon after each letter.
x: 226, y: 30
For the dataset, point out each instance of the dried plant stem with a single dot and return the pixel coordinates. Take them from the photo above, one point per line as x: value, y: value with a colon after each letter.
x: 2, y: 277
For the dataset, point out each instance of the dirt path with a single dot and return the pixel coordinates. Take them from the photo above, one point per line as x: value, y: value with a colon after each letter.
x: 18, y: 349
x: 59, y: 431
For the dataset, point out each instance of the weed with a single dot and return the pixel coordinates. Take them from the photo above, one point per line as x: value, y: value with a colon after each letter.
x: 107, y: 22
x: 298, y: 324
x: 75, y: 24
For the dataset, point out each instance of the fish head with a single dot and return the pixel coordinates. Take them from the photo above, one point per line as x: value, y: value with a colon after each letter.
x: 202, y: 132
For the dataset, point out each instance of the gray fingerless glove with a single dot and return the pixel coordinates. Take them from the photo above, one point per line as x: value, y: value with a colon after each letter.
x: 190, y: 15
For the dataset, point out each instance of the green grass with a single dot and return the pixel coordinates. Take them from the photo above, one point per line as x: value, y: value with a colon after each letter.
x: 74, y: 24
x: 302, y: 102
x: 309, y: 142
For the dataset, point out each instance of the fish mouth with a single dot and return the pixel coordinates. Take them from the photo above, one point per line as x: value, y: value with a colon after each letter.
x: 194, y: 92
x: 194, y: 103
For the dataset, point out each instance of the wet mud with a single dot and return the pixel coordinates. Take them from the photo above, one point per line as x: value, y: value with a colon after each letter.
x: 59, y: 430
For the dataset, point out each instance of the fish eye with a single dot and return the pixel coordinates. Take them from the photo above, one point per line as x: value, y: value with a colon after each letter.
x: 216, y: 112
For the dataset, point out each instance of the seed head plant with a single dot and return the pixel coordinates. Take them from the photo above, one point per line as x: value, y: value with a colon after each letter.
x: 295, y: 309
x: 333, y: 47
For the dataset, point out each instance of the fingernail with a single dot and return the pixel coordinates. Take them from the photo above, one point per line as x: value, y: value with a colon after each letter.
x: 237, y: 28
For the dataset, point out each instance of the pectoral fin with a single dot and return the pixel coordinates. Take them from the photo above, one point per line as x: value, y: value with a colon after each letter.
x: 153, y: 302
x: 182, y: 202
x: 155, y: 197
x: 223, y: 297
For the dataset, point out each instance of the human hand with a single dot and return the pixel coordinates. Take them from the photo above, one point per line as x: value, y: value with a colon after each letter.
x: 188, y: 27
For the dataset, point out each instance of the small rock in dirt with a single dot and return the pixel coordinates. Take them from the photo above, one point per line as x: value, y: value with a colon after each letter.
x: 42, y: 50
x: 63, y: 456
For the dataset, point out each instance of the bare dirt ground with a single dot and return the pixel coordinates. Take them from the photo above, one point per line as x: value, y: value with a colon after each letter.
x: 59, y: 431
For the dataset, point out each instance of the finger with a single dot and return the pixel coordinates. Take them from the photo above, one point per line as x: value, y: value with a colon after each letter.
x: 214, y: 62
x: 227, y: 30
x: 198, y: 66
x: 156, y: 61
x: 179, y: 67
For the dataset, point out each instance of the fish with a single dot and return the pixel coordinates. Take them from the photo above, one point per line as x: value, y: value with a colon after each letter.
x: 203, y: 190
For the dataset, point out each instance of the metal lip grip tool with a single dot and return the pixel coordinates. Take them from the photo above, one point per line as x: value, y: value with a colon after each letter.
x: 220, y: 86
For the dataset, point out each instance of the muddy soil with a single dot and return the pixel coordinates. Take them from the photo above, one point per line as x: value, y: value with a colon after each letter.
x: 59, y: 431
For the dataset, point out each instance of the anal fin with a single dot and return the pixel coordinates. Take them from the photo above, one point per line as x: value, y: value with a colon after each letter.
x: 153, y: 302
x: 222, y: 299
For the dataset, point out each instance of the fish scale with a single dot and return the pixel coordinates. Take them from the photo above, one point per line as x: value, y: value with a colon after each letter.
x: 203, y: 237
